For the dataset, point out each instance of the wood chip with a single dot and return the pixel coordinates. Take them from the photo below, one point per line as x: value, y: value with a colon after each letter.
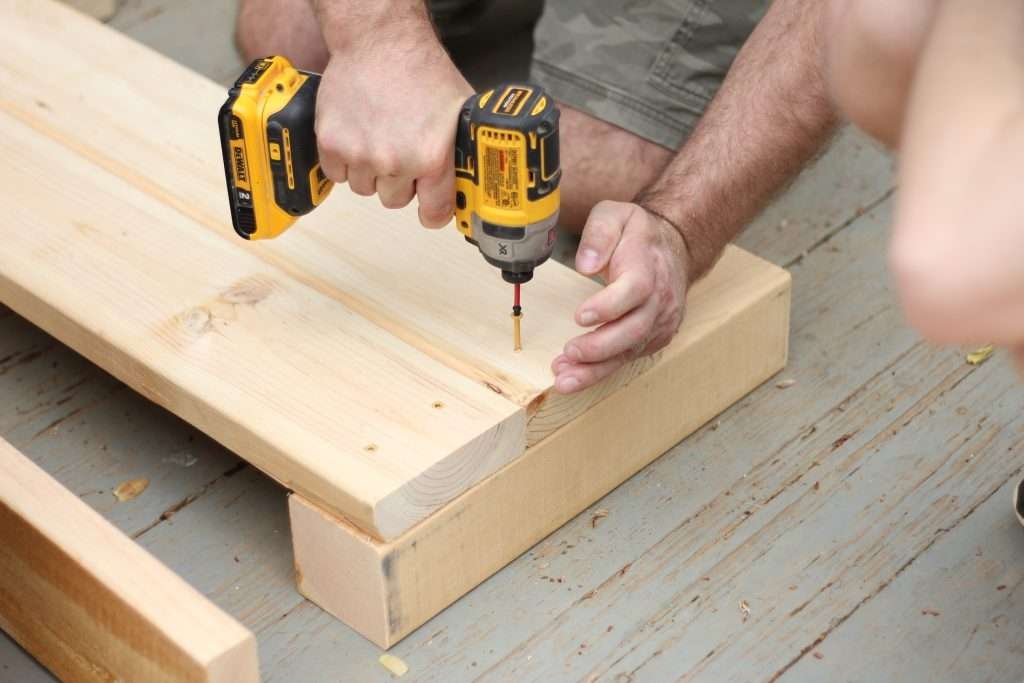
x: 979, y: 356
x: 131, y: 489
x: 745, y: 608
x: 596, y: 518
x: 785, y: 384
x: 393, y: 664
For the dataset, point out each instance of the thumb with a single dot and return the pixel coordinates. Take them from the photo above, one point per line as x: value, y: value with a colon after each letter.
x: 601, y: 235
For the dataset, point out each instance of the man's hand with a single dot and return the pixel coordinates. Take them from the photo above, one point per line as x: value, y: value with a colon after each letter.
x: 645, y: 262
x: 388, y: 106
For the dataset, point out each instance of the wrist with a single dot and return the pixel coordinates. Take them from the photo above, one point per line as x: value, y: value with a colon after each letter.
x: 352, y: 25
x: 701, y: 251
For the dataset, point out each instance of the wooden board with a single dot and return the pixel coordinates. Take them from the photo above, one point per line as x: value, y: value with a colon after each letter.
x: 92, y: 605
x: 370, y: 380
x: 386, y: 590
x: 374, y: 381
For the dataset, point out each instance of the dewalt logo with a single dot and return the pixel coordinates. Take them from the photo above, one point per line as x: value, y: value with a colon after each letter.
x: 240, y: 170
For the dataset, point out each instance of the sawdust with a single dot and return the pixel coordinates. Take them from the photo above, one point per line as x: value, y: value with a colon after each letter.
x: 785, y: 384
x: 130, y: 490
x: 745, y: 609
x: 979, y: 356
x: 393, y: 664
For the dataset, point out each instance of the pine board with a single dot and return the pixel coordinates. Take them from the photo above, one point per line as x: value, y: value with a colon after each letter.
x: 373, y: 393
x: 91, y: 605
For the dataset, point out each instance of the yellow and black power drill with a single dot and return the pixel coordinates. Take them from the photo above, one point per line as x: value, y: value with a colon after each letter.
x: 507, y: 170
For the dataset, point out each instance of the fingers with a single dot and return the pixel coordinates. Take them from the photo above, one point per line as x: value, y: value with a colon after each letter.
x: 362, y: 181
x: 601, y: 235
x: 577, y: 377
x: 437, y: 196
x: 620, y: 297
x: 630, y: 333
x: 395, y: 192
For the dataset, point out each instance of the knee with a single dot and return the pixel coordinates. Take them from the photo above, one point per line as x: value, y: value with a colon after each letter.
x: 280, y: 27
x: 872, y: 51
x: 251, y: 29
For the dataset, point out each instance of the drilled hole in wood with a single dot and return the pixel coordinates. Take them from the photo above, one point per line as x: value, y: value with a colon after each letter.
x: 438, y: 405
x: 370, y: 448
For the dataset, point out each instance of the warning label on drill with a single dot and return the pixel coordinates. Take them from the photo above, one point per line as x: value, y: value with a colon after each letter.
x: 501, y: 177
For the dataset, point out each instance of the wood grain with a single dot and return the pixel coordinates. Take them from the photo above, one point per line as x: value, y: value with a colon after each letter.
x: 357, y: 311
x: 91, y: 605
x: 387, y: 590
x: 359, y: 429
x: 428, y: 288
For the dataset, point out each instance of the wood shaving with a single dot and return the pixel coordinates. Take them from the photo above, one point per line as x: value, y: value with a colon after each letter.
x: 979, y: 356
x: 745, y: 608
x: 393, y: 664
x: 130, y: 490
x: 785, y: 384
x: 596, y: 518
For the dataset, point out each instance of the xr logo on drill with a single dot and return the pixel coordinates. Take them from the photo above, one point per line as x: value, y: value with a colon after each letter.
x: 502, y: 249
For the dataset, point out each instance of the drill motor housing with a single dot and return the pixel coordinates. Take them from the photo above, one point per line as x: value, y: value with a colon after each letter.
x: 507, y: 177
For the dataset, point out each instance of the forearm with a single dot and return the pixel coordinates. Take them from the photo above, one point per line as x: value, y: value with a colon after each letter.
x: 356, y: 24
x: 959, y: 231
x: 770, y: 117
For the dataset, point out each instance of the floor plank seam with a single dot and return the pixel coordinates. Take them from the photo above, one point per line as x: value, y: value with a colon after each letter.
x: 191, y: 498
x: 940, y: 533
x: 827, y: 237
x: 17, y: 358
x: 81, y: 410
x: 800, y: 435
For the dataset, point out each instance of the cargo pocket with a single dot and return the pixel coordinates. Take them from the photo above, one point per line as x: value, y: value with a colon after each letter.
x: 693, y: 63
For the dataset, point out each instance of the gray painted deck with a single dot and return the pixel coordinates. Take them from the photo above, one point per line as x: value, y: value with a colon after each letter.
x: 854, y: 526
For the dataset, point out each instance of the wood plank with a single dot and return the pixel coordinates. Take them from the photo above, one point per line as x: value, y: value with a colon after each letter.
x: 291, y: 380
x: 385, y: 591
x: 91, y: 605
x: 456, y: 314
x: 954, y: 614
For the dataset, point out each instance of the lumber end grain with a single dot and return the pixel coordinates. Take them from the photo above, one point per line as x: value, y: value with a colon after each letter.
x: 340, y: 568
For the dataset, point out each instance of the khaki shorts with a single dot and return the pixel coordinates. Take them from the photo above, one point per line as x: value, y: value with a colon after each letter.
x: 649, y: 67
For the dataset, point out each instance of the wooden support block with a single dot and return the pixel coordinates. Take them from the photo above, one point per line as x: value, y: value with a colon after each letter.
x: 92, y: 605
x: 735, y: 337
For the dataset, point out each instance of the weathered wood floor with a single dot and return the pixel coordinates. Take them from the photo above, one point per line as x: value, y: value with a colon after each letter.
x: 853, y: 526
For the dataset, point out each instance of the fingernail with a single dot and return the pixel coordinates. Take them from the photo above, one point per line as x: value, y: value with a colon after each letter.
x: 567, y: 385
x: 588, y: 318
x: 586, y: 261
x: 573, y: 352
